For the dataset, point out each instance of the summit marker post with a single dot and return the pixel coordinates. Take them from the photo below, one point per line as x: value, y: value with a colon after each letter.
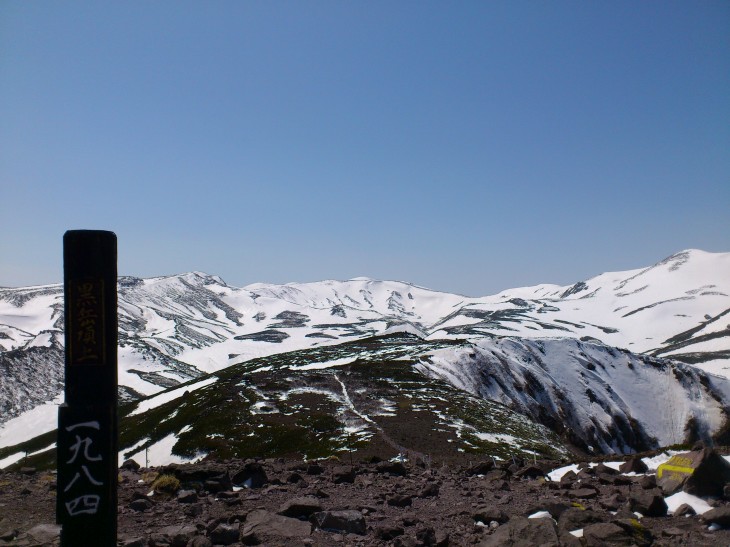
x: 86, y: 503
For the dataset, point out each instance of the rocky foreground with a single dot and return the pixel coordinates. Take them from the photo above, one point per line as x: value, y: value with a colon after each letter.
x: 332, y: 502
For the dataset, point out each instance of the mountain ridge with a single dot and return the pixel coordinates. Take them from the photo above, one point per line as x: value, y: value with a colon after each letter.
x: 176, y: 329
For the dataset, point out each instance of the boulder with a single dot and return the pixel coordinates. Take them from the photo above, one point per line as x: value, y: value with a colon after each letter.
x: 343, y: 474
x: 300, y: 507
x: 481, y: 468
x: 400, y: 500
x: 45, y: 533
x: 586, y: 493
x: 633, y: 465
x: 530, y: 472
x: 523, y: 532
x: 574, y: 518
x: 199, y: 473
x: 266, y: 526
x: 568, y: 479
x: 130, y: 465
x: 648, y: 482
x: 701, y: 473
x: 175, y: 535
x: 314, y: 469
x: 649, y: 503
x: 429, y: 491
x: 612, y: 502
x: 218, y: 485
x: 719, y: 516
x: 603, y: 534
x: 251, y: 476
x: 392, y: 468
x: 187, y: 496
x: 603, y: 469
x: 388, y: 532
x: 555, y: 508
x: 225, y: 534
x: 347, y: 521
x: 294, y: 478
x: 684, y: 510
x: 640, y: 534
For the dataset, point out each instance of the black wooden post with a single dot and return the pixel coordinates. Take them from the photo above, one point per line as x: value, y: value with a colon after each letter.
x: 86, y: 505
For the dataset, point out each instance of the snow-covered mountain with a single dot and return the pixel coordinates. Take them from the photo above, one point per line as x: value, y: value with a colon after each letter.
x: 177, y: 328
x: 437, y: 401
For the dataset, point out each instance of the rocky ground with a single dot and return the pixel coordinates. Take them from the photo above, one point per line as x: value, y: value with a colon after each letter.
x: 278, y: 502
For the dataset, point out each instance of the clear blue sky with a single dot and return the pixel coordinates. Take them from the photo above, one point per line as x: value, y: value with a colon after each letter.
x: 462, y: 146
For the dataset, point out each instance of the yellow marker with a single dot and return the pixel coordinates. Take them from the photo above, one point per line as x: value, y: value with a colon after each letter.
x: 673, y: 468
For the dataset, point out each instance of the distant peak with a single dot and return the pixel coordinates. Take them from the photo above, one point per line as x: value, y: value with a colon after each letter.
x: 200, y: 278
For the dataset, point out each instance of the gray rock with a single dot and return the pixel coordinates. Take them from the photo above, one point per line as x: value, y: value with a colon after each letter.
x: 130, y: 465
x: 343, y: 474
x: 649, y: 503
x: 201, y: 473
x: 684, y: 510
x: 225, y: 534
x: 523, y: 532
x: 301, y: 507
x: 348, y: 521
x: 613, y: 502
x: 45, y: 533
x: 574, y: 518
x: 648, y: 482
x: 555, y: 508
x: 262, y: 524
x: 700, y: 472
x: 251, y: 476
x: 604, y: 534
x: 175, y: 535
x: 481, y: 468
x: 389, y: 532
x: 187, y: 496
x: 568, y: 479
x: 719, y: 516
x: 194, y: 510
x: 640, y: 534
x: 392, y: 468
x: 314, y: 469
x: 8, y: 534
x: 603, y: 469
x: 400, y: 500
x: 633, y: 465
x: 583, y: 493
x: 217, y: 485
x: 530, y: 472
x: 429, y: 491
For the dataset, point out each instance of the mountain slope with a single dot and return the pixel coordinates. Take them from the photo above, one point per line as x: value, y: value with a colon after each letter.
x: 363, y: 397
x: 428, y: 400
x: 176, y: 329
